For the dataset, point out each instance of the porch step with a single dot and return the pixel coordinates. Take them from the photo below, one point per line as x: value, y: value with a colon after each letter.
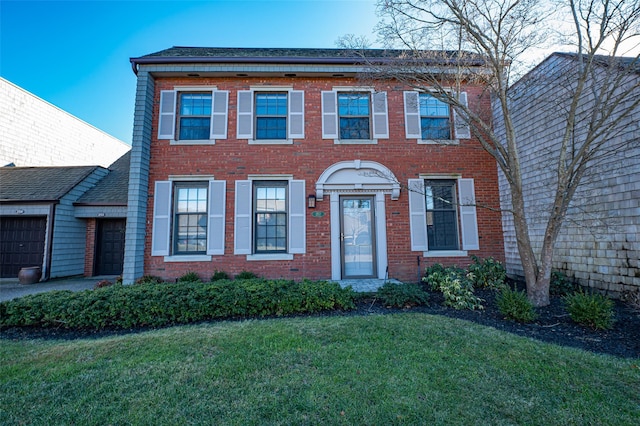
x: 366, y: 284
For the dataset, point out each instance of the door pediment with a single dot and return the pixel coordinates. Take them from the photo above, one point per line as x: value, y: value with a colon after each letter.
x: 358, y: 175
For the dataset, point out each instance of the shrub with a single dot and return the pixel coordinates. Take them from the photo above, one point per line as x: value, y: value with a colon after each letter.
x: 515, y: 305
x: 560, y: 284
x: 246, y: 275
x: 149, y: 279
x: 219, y: 275
x: 456, y: 288
x: 144, y: 305
x: 403, y: 295
x: 590, y: 309
x: 488, y: 273
x: 190, y: 277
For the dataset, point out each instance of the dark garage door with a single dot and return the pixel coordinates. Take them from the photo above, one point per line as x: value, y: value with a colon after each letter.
x: 110, y: 246
x: 21, y: 243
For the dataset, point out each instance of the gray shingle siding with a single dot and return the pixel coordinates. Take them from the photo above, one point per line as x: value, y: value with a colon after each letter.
x: 139, y: 180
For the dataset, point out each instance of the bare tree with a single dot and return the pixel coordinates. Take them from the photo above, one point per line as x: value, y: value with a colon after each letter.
x: 451, y: 43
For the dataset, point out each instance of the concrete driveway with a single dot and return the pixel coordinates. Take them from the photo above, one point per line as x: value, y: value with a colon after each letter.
x: 10, y: 288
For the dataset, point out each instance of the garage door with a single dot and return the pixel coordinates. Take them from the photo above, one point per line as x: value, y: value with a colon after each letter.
x: 21, y: 243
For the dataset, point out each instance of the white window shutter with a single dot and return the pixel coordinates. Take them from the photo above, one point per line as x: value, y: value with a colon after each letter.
x: 296, y: 114
x: 245, y: 114
x: 167, y: 118
x: 380, y: 115
x: 412, y: 115
x: 242, y: 226
x: 417, y: 215
x: 297, y: 217
x: 468, y: 216
x: 216, y: 212
x: 219, y: 114
x: 462, y: 127
x: 329, y: 115
x: 161, y: 231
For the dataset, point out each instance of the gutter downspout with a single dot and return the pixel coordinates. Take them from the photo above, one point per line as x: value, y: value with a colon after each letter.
x: 47, y: 268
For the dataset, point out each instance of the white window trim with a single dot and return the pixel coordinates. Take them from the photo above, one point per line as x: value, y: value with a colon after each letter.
x: 445, y: 253
x: 270, y: 256
x: 267, y: 89
x: 170, y: 257
x: 454, y: 140
x: 357, y: 89
x: 177, y: 90
x: 188, y: 258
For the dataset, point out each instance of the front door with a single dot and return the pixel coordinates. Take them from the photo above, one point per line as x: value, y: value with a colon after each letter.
x: 357, y: 237
x: 110, y: 246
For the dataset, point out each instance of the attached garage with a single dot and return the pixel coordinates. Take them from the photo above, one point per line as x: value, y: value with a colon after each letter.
x: 22, y: 243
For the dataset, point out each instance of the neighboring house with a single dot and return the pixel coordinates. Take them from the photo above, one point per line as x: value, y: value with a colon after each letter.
x: 35, y: 133
x: 64, y: 219
x: 599, y: 244
x: 283, y: 162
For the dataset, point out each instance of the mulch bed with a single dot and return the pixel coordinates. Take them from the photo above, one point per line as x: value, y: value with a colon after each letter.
x: 553, y: 325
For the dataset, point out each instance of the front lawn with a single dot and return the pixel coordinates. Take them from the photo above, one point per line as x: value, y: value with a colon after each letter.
x: 407, y: 368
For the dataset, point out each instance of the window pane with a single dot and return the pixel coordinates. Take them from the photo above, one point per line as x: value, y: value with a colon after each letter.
x: 271, y: 128
x: 354, y: 128
x: 353, y: 104
x: 194, y: 128
x: 435, y: 128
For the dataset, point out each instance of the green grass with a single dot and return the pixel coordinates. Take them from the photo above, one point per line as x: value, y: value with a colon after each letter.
x: 374, y: 370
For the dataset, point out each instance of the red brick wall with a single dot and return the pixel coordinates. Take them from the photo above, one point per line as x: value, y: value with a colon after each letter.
x: 306, y: 159
x: 90, y: 249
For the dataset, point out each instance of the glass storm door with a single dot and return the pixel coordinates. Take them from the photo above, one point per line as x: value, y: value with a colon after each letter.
x: 357, y: 237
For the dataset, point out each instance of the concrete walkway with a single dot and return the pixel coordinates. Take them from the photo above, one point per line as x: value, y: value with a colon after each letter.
x: 10, y: 288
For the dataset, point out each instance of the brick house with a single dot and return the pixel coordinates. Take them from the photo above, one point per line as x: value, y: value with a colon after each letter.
x: 599, y: 243
x: 285, y: 163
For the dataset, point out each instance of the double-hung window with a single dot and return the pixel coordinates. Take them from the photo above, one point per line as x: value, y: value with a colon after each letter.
x: 188, y: 219
x: 193, y: 115
x: 434, y: 118
x: 270, y: 216
x: 354, y: 115
x: 442, y: 216
x: 431, y: 120
x: 270, y: 115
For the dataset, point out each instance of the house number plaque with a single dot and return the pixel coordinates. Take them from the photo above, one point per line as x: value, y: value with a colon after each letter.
x: 317, y: 214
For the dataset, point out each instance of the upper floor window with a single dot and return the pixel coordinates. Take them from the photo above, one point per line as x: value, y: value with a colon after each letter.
x: 194, y: 120
x: 270, y: 116
x: 191, y: 116
x: 354, y: 116
x: 434, y: 118
x: 431, y: 120
x: 354, y: 113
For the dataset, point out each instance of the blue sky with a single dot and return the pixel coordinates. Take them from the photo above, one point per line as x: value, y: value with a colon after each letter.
x: 75, y: 54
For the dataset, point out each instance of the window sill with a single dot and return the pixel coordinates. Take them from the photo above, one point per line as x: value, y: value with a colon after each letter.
x: 193, y: 142
x: 355, y: 141
x: 438, y: 141
x: 270, y: 256
x: 270, y: 141
x: 445, y: 253
x: 188, y: 258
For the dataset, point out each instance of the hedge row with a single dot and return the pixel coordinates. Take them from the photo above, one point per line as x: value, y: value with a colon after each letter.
x: 123, y: 307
